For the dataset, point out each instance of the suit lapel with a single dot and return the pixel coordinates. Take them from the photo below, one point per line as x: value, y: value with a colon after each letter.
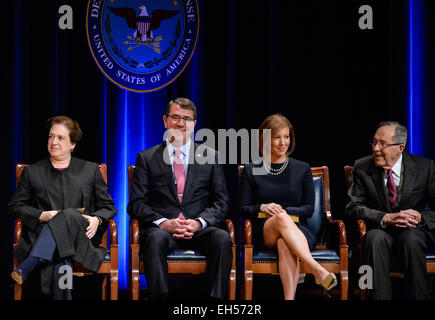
x: 409, y: 176
x: 378, y: 180
x: 164, y: 163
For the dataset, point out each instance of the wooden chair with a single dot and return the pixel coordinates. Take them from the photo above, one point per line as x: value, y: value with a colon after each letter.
x: 362, y: 231
x: 110, y: 264
x: 332, y: 258
x: 180, y: 261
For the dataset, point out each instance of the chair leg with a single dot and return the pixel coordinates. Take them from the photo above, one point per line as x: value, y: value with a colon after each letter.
x: 18, y: 288
x: 104, y: 288
x: 232, y: 286
x: 18, y: 291
x: 248, y: 285
x: 233, y: 277
x: 344, y: 285
x: 134, y: 272
x: 248, y: 273
x: 114, y: 285
x: 135, y: 287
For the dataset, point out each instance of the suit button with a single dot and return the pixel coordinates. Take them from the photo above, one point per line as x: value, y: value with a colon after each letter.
x: 181, y: 208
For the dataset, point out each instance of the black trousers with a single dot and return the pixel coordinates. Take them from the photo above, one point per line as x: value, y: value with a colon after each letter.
x: 213, y: 242
x: 410, y: 248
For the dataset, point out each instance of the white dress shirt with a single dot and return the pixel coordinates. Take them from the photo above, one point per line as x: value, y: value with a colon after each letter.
x: 397, y: 170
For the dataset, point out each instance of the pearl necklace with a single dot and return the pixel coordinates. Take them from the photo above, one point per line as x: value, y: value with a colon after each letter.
x: 275, y: 172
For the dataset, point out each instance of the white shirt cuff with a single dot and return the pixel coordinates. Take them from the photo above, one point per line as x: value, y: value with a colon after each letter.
x: 159, y: 221
x: 203, y: 222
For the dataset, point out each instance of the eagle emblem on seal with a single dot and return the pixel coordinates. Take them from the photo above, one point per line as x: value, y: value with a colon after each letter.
x: 142, y: 45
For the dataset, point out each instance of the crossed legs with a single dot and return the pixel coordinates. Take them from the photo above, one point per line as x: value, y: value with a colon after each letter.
x: 288, y: 269
x: 282, y: 233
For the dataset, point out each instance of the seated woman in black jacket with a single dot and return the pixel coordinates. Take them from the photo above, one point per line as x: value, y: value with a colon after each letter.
x: 65, y: 205
x: 277, y: 194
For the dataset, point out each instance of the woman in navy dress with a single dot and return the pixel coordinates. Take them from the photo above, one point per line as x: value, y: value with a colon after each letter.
x: 277, y: 195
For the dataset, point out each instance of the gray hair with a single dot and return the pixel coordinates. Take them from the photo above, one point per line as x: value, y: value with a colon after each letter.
x: 401, y: 133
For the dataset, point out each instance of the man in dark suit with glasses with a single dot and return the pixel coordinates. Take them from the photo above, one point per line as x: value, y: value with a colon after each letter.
x: 394, y: 193
x: 180, y: 201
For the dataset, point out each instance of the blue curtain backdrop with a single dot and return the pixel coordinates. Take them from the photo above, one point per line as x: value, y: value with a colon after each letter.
x: 305, y: 59
x: 416, y: 75
x: 117, y: 124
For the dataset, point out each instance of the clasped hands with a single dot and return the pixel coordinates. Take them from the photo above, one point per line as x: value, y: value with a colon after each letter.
x: 403, y: 219
x: 272, y: 209
x: 181, y: 228
x: 92, y: 220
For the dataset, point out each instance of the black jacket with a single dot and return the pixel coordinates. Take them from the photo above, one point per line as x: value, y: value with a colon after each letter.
x: 153, y: 192
x: 368, y: 199
x: 44, y: 188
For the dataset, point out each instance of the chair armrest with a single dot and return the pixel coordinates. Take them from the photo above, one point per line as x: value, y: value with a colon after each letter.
x: 134, y: 231
x: 18, y: 231
x: 341, y: 232
x: 113, y: 232
x: 247, y: 234
x: 230, y: 228
x: 362, y: 228
x: 342, y: 235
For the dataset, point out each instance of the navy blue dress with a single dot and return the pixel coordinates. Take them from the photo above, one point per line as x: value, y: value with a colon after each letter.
x: 293, y: 189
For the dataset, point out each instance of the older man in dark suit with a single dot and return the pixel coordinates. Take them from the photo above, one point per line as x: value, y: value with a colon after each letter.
x: 394, y: 192
x: 180, y: 201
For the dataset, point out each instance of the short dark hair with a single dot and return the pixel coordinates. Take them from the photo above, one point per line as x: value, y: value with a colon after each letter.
x: 75, y: 133
x: 183, y: 103
x: 400, y: 134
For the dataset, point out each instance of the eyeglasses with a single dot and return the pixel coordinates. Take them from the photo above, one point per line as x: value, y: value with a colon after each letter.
x: 177, y: 118
x: 382, y: 144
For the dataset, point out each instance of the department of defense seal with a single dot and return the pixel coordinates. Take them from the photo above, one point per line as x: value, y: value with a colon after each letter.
x: 142, y: 45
